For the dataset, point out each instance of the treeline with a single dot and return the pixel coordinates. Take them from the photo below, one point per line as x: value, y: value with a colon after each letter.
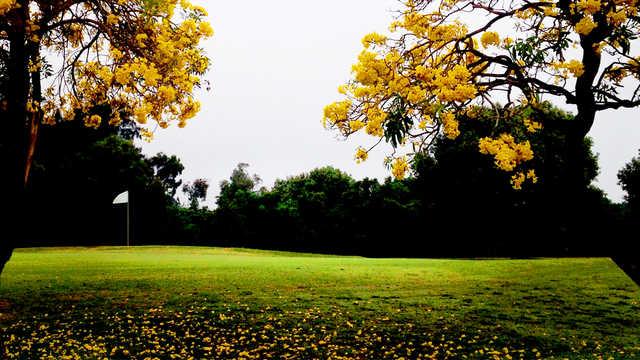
x: 457, y: 204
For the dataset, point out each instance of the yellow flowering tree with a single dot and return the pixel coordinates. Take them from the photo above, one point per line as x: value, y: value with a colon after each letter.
x: 96, y: 61
x: 441, y: 58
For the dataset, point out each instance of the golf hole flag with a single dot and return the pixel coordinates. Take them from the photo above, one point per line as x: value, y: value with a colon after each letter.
x: 124, y: 199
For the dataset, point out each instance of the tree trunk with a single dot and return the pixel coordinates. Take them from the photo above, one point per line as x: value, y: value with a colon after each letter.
x: 576, y: 181
x: 574, y: 188
x: 626, y: 258
x: 14, y: 139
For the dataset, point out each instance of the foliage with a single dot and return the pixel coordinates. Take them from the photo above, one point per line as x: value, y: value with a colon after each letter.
x: 186, y: 226
x: 317, y: 192
x: 232, y: 303
x: 237, y: 202
x: 461, y: 191
x: 237, y: 192
x: 240, y: 180
x: 314, y: 203
x: 436, y: 66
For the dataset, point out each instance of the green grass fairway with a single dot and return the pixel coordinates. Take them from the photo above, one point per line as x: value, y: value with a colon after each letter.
x: 208, y: 303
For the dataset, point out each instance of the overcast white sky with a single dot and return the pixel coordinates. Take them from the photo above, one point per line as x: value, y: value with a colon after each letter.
x: 276, y: 64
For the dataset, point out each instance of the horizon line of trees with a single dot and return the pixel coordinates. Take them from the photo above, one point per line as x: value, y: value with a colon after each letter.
x: 457, y: 204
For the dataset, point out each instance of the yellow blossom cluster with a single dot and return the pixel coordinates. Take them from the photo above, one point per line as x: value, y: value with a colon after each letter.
x: 589, y: 6
x: 616, y: 18
x: 550, y: 11
x: 532, y: 126
x: 520, y: 177
x: 425, y: 123
x: 146, y: 135
x: 451, y: 130
x: 586, y: 25
x: 92, y: 121
x: 337, y: 112
x: 383, y: 75
x: 617, y: 74
x: 373, y: 39
x: 490, y: 38
x: 508, y: 153
x: 616, y: 13
x: 452, y: 86
x: 399, y: 167
x: 142, y: 60
x: 6, y: 6
x: 361, y: 155
x: 575, y: 67
x: 376, y: 118
x: 356, y: 125
x: 32, y: 106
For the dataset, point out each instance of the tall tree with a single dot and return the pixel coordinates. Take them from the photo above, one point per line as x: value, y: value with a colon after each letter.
x: 438, y: 62
x: 240, y: 180
x: 443, y: 57
x: 95, y: 61
x: 236, y: 203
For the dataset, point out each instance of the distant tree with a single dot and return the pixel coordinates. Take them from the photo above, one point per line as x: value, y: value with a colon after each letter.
x: 241, y: 179
x: 236, y: 203
x: 315, y: 191
x: 240, y: 184
x: 168, y: 170
x: 196, y: 192
x: 312, y: 205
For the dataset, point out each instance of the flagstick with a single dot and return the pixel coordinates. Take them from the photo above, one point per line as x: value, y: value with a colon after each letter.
x: 128, y: 220
x: 122, y: 199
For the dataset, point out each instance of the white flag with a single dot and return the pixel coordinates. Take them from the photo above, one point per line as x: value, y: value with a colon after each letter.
x: 122, y: 198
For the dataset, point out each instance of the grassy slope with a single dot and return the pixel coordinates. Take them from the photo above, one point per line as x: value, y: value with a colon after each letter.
x: 561, y: 308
